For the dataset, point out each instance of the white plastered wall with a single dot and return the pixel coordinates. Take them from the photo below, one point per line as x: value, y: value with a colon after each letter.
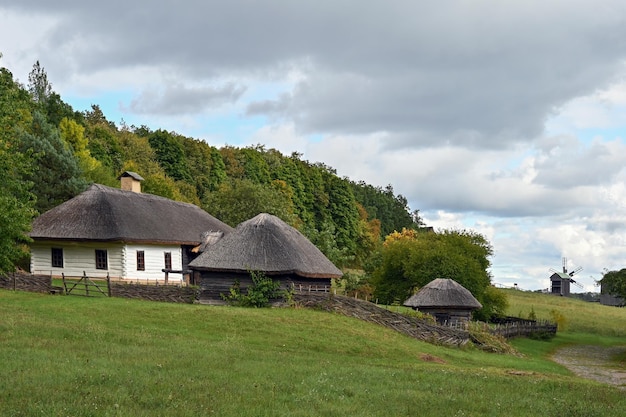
x: 79, y: 258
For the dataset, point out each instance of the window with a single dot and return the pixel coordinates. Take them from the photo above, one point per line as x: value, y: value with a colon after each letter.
x: 168, y: 260
x: 57, y: 258
x: 101, y: 259
x: 141, y: 261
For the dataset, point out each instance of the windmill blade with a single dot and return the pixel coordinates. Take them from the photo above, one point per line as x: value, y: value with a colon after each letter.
x: 554, y: 271
x: 575, y: 271
x: 576, y: 284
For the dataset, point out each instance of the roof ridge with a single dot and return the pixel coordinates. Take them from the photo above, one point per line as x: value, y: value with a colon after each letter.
x: 112, y: 190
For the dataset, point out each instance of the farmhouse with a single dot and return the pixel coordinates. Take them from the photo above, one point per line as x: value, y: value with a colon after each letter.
x: 264, y: 244
x: 446, y: 300
x: 121, y: 233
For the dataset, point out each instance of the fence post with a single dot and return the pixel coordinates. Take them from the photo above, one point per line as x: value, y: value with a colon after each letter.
x: 109, y: 284
x: 85, y: 279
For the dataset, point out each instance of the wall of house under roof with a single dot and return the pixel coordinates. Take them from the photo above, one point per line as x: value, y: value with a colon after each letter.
x: 79, y: 258
x: 154, y: 258
x: 214, y: 284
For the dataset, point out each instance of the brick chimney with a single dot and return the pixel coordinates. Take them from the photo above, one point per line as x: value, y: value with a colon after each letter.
x: 131, y: 181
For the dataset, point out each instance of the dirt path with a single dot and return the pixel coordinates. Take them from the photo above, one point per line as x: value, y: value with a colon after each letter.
x: 593, y: 362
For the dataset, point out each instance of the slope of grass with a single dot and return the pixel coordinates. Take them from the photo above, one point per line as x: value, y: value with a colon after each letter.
x: 63, y: 355
x: 578, y: 316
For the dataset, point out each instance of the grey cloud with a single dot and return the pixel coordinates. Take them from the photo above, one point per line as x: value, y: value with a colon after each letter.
x: 176, y: 99
x: 479, y: 74
x: 563, y: 164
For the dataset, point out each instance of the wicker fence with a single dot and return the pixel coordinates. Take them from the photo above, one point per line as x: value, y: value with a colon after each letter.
x: 26, y: 282
x: 99, y: 287
x: 524, y: 328
x: 154, y: 292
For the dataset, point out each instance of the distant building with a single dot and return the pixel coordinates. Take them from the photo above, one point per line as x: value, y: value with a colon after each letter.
x: 560, y: 281
x: 610, y: 299
x: 446, y: 300
x: 560, y: 284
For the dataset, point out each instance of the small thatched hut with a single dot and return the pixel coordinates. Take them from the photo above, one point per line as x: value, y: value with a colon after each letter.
x: 264, y: 244
x: 446, y: 300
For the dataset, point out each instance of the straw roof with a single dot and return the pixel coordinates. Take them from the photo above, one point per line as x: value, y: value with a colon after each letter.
x: 266, y: 243
x: 109, y: 214
x: 443, y: 293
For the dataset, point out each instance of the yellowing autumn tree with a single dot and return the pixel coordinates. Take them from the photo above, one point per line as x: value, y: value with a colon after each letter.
x: 73, y: 135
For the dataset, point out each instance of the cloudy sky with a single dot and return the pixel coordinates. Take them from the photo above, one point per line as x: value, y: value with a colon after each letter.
x: 505, y: 117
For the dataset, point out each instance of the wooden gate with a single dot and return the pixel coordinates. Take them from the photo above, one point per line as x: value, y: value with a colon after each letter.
x: 87, y: 287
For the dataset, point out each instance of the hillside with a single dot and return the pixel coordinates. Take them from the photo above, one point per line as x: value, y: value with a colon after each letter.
x: 575, y: 316
x: 62, y: 355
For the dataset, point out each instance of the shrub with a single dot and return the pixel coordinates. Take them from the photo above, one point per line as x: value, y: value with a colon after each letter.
x: 259, y: 294
x: 559, y: 319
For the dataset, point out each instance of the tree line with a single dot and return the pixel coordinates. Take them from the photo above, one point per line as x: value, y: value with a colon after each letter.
x: 49, y: 153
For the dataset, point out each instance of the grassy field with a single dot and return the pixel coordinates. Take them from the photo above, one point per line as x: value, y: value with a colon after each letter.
x: 578, y: 316
x: 72, y: 356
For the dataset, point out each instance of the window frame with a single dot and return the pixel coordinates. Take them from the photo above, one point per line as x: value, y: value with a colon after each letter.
x: 56, y: 257
x: 102, y: 259
x: 141, y: 260
x: 167, y: 257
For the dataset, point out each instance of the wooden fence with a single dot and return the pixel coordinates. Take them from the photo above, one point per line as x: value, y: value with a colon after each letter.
x: 26, y: 282
x: 364, y: 310
x: 100, y: 287
x: 86, y: 286
x: 524, y: 328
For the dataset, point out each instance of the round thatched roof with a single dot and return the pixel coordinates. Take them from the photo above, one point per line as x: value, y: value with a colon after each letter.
x: 109, y: 214
x: 443, y: 293
x: 266, y: 243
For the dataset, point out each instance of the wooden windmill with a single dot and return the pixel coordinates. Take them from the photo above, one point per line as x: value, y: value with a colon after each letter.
x: 561, y: 280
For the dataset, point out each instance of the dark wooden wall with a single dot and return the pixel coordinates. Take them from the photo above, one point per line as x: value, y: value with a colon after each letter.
x: 213, y: 284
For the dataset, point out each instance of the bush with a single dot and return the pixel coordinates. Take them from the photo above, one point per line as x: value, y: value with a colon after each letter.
x: 259, y: 294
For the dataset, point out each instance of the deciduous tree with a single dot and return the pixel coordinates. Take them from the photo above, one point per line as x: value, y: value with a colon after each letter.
x: 409, y: 261
x: 16, y: 200
x: 614, y: 283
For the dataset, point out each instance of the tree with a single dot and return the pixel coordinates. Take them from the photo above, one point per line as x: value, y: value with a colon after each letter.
x: 58, y: 176
x: 238, y: 200
x: 170, y: 154
x: 16, y: 200
x: 73, y: 134
x: 38, y: 84
x: 16, y: 207
x: 409, y: 261
x: 102, y: 137
x: 614, y: 283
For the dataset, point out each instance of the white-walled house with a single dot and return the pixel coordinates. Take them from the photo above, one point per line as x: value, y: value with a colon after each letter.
x: 122, y: 233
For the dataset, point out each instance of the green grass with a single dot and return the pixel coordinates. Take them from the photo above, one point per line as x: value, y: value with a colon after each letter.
x: 73, y: 356
x: 579, y: 316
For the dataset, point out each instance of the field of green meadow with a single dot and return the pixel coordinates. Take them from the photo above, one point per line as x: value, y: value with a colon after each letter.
x: 74, y: 356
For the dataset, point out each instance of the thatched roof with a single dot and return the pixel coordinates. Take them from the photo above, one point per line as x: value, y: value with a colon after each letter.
x: 109, y: 214
x: 266, y: 243
x: 443, y: 293
x: 208, y: 238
